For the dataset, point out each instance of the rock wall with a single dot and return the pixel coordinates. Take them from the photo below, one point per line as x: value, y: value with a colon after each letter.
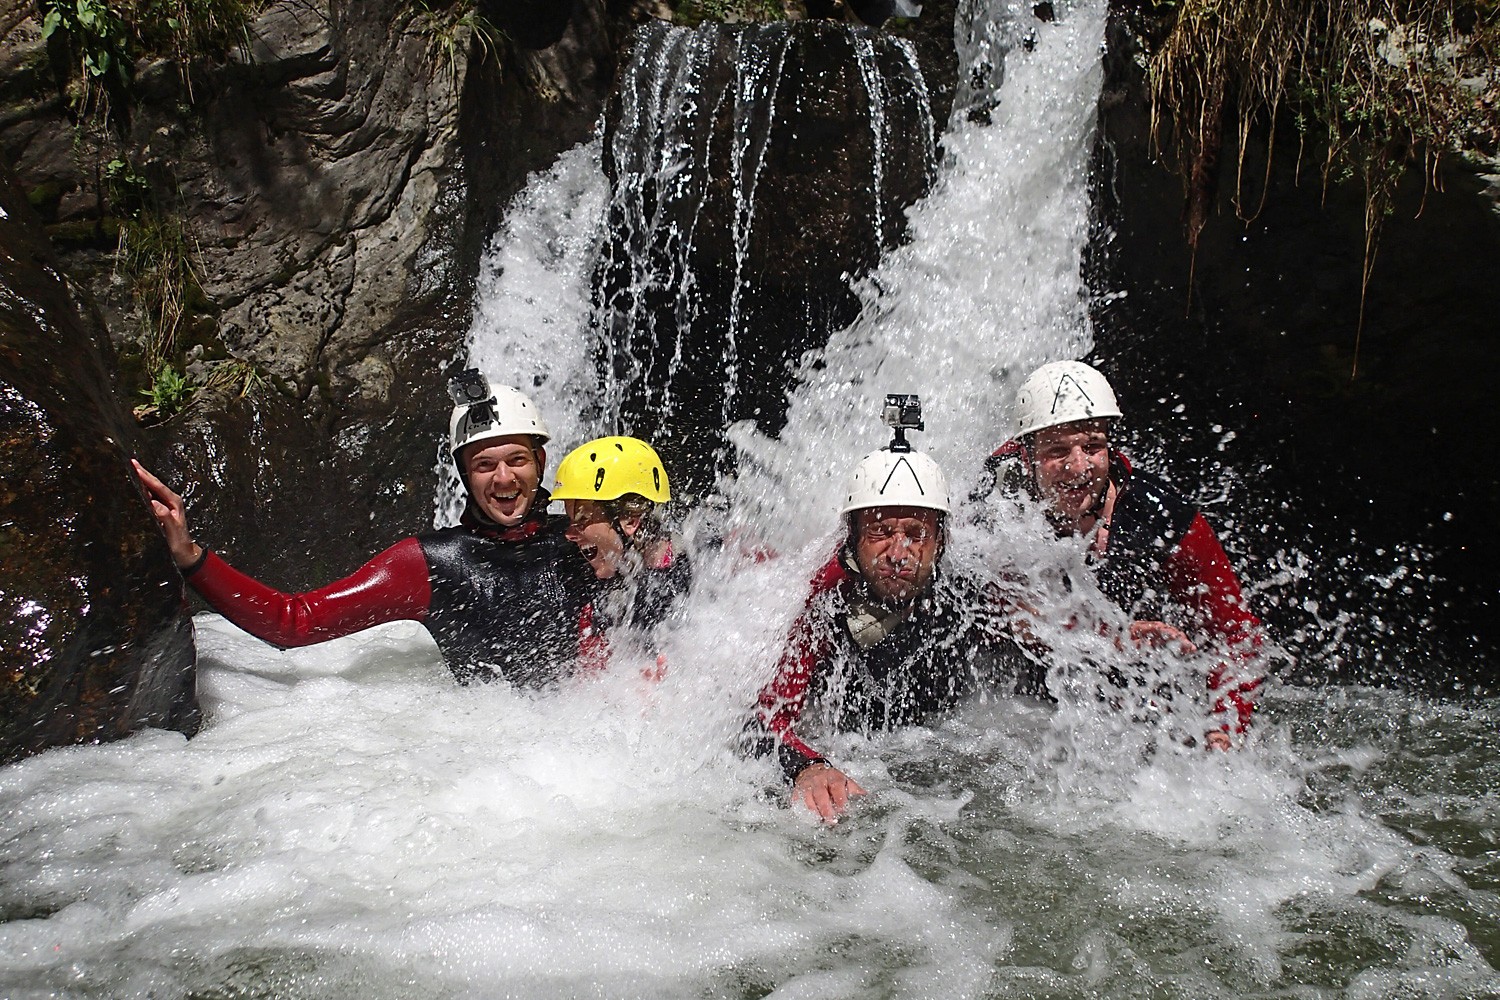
x: 94, y: 640
x: 337, y: 180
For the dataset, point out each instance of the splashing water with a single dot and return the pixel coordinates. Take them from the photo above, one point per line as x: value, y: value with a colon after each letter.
x: 351, y: 824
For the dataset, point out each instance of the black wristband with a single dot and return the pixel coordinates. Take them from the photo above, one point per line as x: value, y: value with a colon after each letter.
x: 196, y: 564
x: 794, y: 762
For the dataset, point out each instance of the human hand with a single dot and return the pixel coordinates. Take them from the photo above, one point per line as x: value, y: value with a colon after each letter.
x: 825, y: 790
x: 171, y: 515
x: 1217, y: 739
x: 1160, y: 635
x: 653, y: 674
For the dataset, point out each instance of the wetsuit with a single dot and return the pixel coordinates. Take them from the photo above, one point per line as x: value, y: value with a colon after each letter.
x: 866, y: 666
x: 1163, y: 562
x: 500, y: 602
x: 642, y: 601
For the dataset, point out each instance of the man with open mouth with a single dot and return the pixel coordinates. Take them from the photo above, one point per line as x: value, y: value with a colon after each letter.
x: 504, y: 593
x: 1152, y: 551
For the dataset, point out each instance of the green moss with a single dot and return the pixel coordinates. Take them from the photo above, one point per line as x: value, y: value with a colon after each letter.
x: 85, y: 234
x: 45, y: 198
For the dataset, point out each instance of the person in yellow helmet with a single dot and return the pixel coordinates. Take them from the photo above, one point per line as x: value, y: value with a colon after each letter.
x: 613, y: 489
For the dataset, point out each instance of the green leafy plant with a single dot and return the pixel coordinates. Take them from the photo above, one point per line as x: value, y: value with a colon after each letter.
x: 105, y: 39
x: 126, y: 189
x: 99, y: 42
x: 169, y: 392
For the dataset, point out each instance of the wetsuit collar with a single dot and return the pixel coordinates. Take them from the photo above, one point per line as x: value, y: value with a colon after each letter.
x: 534, y: 521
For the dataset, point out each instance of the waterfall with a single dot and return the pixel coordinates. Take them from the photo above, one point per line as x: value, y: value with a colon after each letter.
x: 988, y: 288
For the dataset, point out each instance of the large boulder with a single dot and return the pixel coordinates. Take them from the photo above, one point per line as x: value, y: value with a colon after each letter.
x: 94, y: 642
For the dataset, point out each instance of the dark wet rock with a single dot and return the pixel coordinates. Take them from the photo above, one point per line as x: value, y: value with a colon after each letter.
x: 93, y: 635
x: 531, y: 24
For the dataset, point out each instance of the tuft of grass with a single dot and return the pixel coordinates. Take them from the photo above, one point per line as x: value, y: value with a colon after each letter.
x: 1374, y: 88
x: 233, y: 375
x: 154, y: 257
x: 455, y: 26
x: 154, y: 260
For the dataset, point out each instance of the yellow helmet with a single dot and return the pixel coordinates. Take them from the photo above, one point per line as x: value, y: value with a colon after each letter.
x: 608, y: 468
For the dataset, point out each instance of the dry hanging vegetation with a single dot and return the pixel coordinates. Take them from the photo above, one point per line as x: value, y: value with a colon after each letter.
x: 1373, y: 87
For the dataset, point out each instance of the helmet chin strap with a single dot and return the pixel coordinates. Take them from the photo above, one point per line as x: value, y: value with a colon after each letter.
x: 625, y: 540
x: 643, y: 534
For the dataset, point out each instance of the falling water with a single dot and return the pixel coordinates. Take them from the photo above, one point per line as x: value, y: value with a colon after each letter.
x: 352, y: 824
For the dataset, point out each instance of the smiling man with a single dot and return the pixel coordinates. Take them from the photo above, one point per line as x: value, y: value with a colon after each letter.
x: 1152, y: 550
x: 503, y: 593
x: 887, y: 637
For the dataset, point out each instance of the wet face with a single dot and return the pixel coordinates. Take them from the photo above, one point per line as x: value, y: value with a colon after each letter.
x: 1072, y: 469
x: 590, y: 529
x: 503, y: 475
x: 896, y: 549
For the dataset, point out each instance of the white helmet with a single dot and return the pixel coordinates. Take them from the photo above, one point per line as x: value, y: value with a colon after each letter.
x: 888, y: 478
x: 490, y: 412
x: 1060, y: 393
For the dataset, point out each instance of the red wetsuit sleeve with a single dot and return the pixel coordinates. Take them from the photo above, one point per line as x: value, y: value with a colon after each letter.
x: 781, y: 701
x: 1202, y: 581
x: 392, y: 586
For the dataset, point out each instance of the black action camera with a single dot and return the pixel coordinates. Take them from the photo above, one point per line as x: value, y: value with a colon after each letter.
x: 903, y: 412
x: 469, y: 388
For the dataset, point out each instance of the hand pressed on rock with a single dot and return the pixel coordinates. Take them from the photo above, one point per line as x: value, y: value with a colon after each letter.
x: 171, y: 515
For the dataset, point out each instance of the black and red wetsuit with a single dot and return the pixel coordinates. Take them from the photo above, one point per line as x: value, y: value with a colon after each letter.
x: 1163, y: 562
x: 500, y: 602
x: 866, y: 666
